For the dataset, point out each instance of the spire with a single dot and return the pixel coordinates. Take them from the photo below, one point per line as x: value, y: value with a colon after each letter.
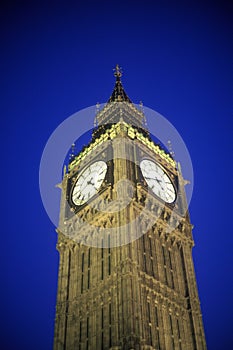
x: 118, y: 94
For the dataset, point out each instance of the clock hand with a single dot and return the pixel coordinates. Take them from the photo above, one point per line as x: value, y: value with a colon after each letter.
x: 150, y: 178
x: 158, y: 180
x: 90, y: 182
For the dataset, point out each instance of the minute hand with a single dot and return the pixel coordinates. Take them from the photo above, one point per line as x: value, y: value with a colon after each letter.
x: 152, y: 178
x: 149, y: 178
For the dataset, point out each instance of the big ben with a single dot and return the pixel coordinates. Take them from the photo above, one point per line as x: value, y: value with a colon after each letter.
x: 126, y: 275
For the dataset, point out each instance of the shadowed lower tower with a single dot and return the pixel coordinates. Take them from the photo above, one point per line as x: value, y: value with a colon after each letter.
x: 126, y: 275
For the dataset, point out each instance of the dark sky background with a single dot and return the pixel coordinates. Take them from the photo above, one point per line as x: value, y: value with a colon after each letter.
x: 57, y: 58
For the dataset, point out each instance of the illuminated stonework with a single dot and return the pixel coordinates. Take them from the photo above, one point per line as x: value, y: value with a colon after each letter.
x: 114, y: 131
x: 139, y: 295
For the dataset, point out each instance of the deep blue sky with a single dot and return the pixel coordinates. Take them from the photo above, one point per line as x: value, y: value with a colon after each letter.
x: 57, y: 59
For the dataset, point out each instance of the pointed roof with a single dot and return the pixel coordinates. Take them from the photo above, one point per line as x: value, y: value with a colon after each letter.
x: 118, y: 94
x: 119, y: 107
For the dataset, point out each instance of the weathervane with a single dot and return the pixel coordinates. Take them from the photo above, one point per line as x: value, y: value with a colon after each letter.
x: 117, y: 71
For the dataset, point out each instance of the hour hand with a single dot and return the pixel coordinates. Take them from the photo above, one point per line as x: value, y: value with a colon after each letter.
x: 89, y: 182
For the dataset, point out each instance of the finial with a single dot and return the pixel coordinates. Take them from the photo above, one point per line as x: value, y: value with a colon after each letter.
x: 142, y: 111
x: 170, y: 148
x: 118, y: 94
x: 64, y: 171
x: 117, y: 71
x: 73, y: 148
x: 97, y: 109
x: 72, y: 154
x: 141, y: 106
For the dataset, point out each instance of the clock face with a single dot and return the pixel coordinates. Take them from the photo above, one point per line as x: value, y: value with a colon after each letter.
x: 89, y: 182
x: 158, y: 180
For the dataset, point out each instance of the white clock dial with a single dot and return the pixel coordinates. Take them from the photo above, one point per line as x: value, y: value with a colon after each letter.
x: 89, y: 182
x: 158, y: 180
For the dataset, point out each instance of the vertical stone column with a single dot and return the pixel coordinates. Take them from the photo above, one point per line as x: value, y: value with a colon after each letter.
x: 195, y: 311
x: 62, y: 296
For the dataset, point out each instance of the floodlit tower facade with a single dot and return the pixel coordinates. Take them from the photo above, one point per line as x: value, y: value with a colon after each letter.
x: 126, y: 275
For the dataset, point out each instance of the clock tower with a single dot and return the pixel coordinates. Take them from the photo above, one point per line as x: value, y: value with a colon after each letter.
x: 126, y: 275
